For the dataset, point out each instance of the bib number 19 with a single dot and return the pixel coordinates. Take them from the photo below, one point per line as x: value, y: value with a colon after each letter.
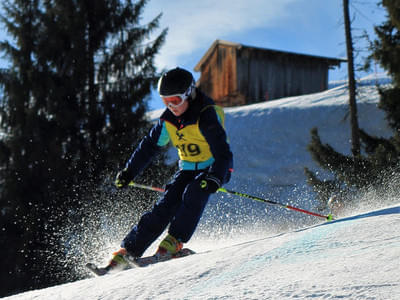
x: 189, y: 149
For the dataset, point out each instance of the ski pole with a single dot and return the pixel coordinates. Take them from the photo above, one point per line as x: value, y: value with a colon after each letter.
x: 328, y: 217
x: 146, y: 187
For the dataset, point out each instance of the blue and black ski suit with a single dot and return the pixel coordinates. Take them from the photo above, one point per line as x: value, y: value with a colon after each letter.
x: 201, y: 141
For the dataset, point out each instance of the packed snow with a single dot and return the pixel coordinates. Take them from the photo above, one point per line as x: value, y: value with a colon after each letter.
x: 251, y: 250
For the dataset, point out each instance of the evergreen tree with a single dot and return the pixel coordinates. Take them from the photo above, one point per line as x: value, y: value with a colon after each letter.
x: 73, y: 106
x: 381, y: 157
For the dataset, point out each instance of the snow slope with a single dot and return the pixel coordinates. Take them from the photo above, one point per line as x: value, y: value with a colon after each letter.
x: 249, y: 250
x: 269, y: 141
x: 351, y: 258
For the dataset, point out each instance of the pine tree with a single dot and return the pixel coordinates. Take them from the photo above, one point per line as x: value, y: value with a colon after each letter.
x: 73, y: 106
x: 381, y: 158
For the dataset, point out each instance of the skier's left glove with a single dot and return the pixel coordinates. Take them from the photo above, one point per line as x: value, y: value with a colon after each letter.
x: 123, y: 178
x: 210, y: 183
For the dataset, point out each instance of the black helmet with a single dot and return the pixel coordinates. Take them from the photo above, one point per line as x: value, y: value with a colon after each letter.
x: 177, y: 81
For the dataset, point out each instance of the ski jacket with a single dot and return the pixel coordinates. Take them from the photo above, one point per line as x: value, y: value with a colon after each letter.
x: 198, y: 135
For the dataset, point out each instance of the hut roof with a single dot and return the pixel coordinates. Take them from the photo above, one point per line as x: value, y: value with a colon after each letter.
x: 331, y: 61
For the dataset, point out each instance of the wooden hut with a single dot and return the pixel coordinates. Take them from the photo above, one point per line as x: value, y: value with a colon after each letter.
x: 234, y: 74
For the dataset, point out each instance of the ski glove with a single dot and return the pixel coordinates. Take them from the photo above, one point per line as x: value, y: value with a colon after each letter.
x: 123, y: 178
x: 210, y: 183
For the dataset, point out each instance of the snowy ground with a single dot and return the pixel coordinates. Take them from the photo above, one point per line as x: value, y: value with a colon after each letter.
x: 351, y: 258
x: 249, y: 250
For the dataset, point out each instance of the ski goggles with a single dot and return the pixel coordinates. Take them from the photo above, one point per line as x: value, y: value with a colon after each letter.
x: 173, y: 101
x: 176, y: 100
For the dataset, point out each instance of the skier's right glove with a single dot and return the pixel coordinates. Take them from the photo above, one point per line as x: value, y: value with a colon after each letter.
x: 123, y: 178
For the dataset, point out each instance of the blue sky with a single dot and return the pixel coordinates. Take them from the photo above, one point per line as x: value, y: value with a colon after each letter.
x: 302, y: 26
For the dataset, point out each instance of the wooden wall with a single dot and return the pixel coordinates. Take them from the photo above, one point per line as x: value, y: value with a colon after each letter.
x: 235, y: 76
x: 263, y: 76
x: 219, y: 77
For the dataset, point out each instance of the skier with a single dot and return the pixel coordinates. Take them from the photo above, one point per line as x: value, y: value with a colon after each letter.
x: 194, y: 125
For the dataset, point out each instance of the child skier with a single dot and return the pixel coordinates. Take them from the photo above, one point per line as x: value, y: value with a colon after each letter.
x: 194, y: 125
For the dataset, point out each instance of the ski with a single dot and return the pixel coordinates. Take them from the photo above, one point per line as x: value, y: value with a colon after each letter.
x: 139, y: 262
x: 153, y: 259
x: 98, y: 271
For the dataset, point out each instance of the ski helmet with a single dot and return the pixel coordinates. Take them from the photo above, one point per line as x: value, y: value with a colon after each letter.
x: 176, y: 82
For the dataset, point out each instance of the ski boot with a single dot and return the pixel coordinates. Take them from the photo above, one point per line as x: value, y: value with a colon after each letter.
x: 119, y: 261
x: 169, y: 247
